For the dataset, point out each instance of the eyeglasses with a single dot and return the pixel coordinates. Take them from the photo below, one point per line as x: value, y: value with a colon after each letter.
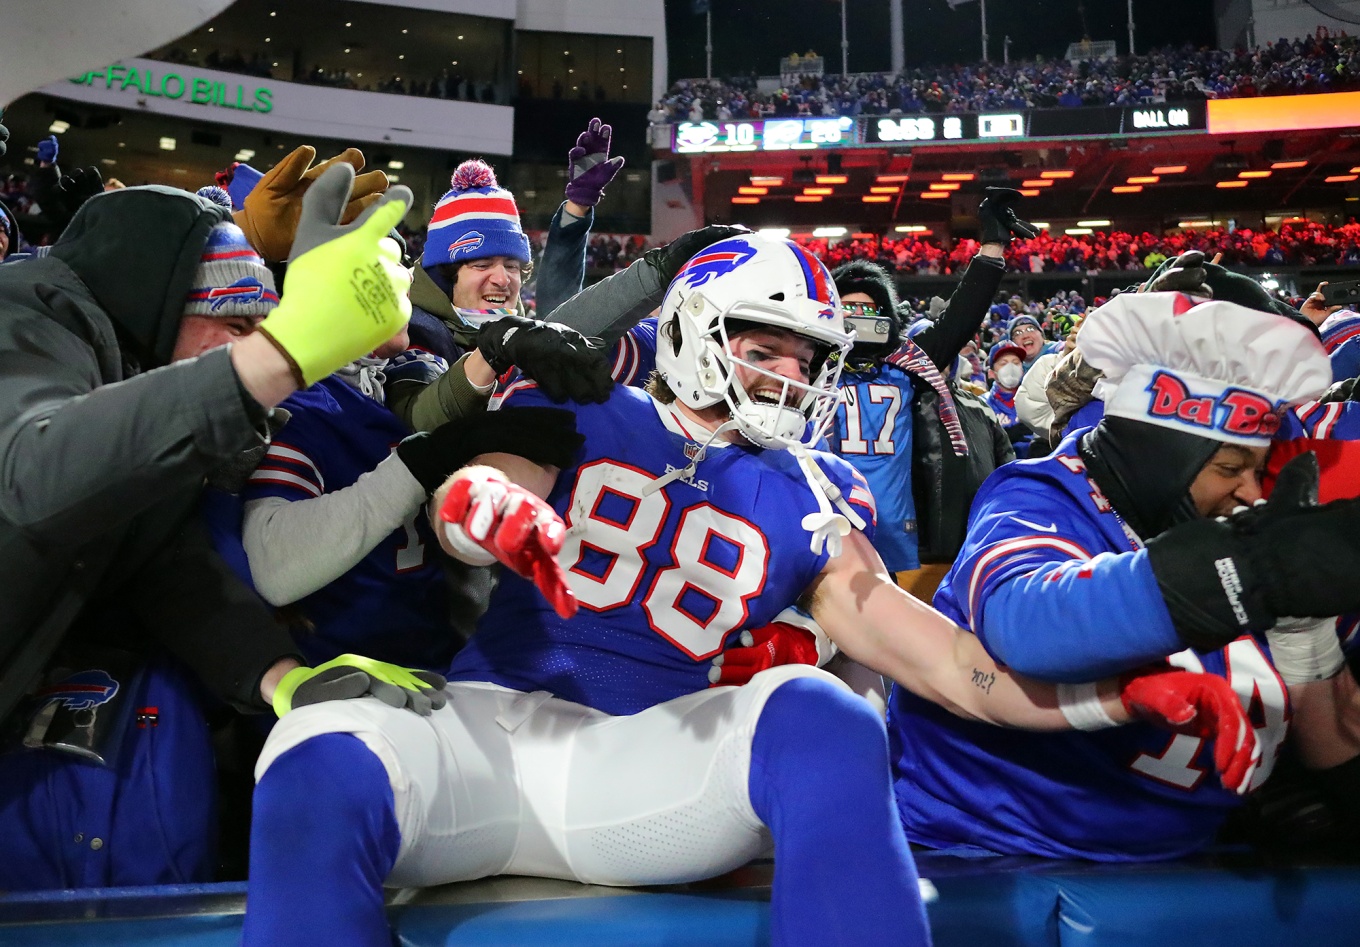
x: 860, y: 309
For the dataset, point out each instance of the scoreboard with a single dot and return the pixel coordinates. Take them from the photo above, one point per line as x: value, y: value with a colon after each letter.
x: 794, y: 134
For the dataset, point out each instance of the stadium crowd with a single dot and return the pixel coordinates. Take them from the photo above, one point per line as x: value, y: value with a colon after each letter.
x: 726, y: 550
x: 1320, y: 63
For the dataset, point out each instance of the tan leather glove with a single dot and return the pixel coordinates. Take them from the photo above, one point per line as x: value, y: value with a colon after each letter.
x: 272, y: 209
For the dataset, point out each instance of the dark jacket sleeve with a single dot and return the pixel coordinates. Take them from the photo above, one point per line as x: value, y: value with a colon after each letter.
x: 189, y: 599
x: 614, y: 305
x: 963, y: 316
x: 79, y: 458
x: 562, y: 268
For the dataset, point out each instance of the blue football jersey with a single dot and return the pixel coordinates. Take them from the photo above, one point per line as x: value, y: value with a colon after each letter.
x: 634, y: 355
x: 1129, y: 793
x: 429, y: 353
x: 393, y: 605
x: 873, y: 432
x: 666, y: 579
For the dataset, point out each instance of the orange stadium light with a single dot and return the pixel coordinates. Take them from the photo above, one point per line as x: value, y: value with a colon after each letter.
x: 1056, y: 174
x: 832, y: 178
x: 1340, y: 178
x: 1169, y: 169
x: 1288, y: 165
x: 1038, y: 182
x: 890, y: 189
x: 960, y: 176
x: 1226, y: 184
x: 753, y: 190
x: 943, y: 187
x: 762, y: 180
x: 819, y: 191
x: 892, y: 178
x: 807, y: 198
x: 1355, y: 170
x: 934, y: 195
x: 745, y: 200
x: 1126, y: 188
x: 875, y: 198
x: 1144, y: 179
x: 1029, y: 191
x: 1253, y: 174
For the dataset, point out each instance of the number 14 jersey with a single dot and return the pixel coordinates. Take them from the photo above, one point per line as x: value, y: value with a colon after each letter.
x: 666, y: 579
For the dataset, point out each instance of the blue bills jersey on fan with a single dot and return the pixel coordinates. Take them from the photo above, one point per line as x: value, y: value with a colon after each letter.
x: 1125, y: 794
x: 393, y: 605
x: 666, y: 580
x: 873, y: 432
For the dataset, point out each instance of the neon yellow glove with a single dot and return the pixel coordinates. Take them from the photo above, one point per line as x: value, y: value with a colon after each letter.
x: 345, y: 290
x: 352, y: 675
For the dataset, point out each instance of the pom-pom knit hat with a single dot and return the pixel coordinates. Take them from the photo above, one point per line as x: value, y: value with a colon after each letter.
x: 477, y: 218
x: 232, y: 279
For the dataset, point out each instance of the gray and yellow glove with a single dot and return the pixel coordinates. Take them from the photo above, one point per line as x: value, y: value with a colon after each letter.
x: 352, y: 675
x: 345, y: 290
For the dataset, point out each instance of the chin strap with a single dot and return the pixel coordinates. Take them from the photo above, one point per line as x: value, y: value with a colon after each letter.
x: 826, y: 525
x: 688, y: 471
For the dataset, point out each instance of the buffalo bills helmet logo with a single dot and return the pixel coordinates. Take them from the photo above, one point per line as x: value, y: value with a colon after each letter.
x: 718, y: 260
x: 84, y: 690
x: 467, y: 243
x: 247, y: 289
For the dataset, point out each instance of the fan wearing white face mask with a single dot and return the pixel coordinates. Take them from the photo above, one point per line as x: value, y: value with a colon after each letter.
x: 1007, y: 364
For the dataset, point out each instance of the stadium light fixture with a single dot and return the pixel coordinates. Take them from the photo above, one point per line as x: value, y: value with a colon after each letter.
x: 1093, y: 223
x: 777, y: 233
x: 1355, y: 170
x: 1078, y: 231
x: 167, y: 144
x: 1143, y: 179
x: 1340, y: 178
x: 963, y: 176
x: 892, y: 178
x: 757, y: 191
x: 393, y: 178
x: 823, y: 191
x: 1287, y: 165
x: 829, y: 232
x: 934, y: 195
x: 745, y: 200
x: 58, y: 127
x: 1194, y: 224
x: 1126, y: 189
x: 807, y: 198
x: 832, y: 178
x: 911, y: 228
x: 947, y: 186
x: 1029, y: 192
x: 245, y: 154
x: 875, y: 198
x: 886, y: 189
x: 1253, y: 174
x: 1042, y: 224
x: 1037, y: 182
x: 1170, y: 169
x: 1228, y: 184
x: 1056, y: 174
x: 764, y: 180
x: 396, y: 165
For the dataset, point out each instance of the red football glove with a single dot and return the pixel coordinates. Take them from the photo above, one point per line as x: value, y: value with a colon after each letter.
x: 1201, y: 705
x: 490, y: 518
x: 779, y: 642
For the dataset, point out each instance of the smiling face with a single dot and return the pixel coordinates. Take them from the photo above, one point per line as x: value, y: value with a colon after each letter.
x: 1230, y: 479
x: 489, y: 283
x: 1028, y: 338
x: 777, y: 351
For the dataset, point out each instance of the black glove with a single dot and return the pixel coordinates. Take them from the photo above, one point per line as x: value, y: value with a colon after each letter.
x: 73, y: 190
x: 543, y: 435
x: 566, y: 365
x: 998, y: 220
x: 1182, y: 274
x: 1224, y: 577
x: 1347, y: 390
x: 668, y: 260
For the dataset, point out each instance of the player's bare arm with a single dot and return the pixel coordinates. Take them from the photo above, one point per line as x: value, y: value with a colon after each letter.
x: 878, y: 624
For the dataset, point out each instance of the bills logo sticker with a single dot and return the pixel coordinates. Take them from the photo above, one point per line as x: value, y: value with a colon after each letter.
x: 1235, y: 411
x: 467, y: 243
x: 85, y: 690
x: 718, y: 260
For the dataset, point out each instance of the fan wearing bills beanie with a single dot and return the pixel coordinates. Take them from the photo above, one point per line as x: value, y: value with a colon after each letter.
x: 1143, y: 541
x: 467, y: 321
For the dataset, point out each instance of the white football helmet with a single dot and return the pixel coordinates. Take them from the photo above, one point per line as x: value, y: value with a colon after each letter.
x: 753, y: 279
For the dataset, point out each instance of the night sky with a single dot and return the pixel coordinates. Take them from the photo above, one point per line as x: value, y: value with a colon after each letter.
x: 753, y: 34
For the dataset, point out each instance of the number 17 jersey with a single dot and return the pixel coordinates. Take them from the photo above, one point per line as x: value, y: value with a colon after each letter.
x: 666, y: 579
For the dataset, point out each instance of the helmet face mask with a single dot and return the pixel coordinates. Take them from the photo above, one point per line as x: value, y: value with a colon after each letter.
x: 774, y: 285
